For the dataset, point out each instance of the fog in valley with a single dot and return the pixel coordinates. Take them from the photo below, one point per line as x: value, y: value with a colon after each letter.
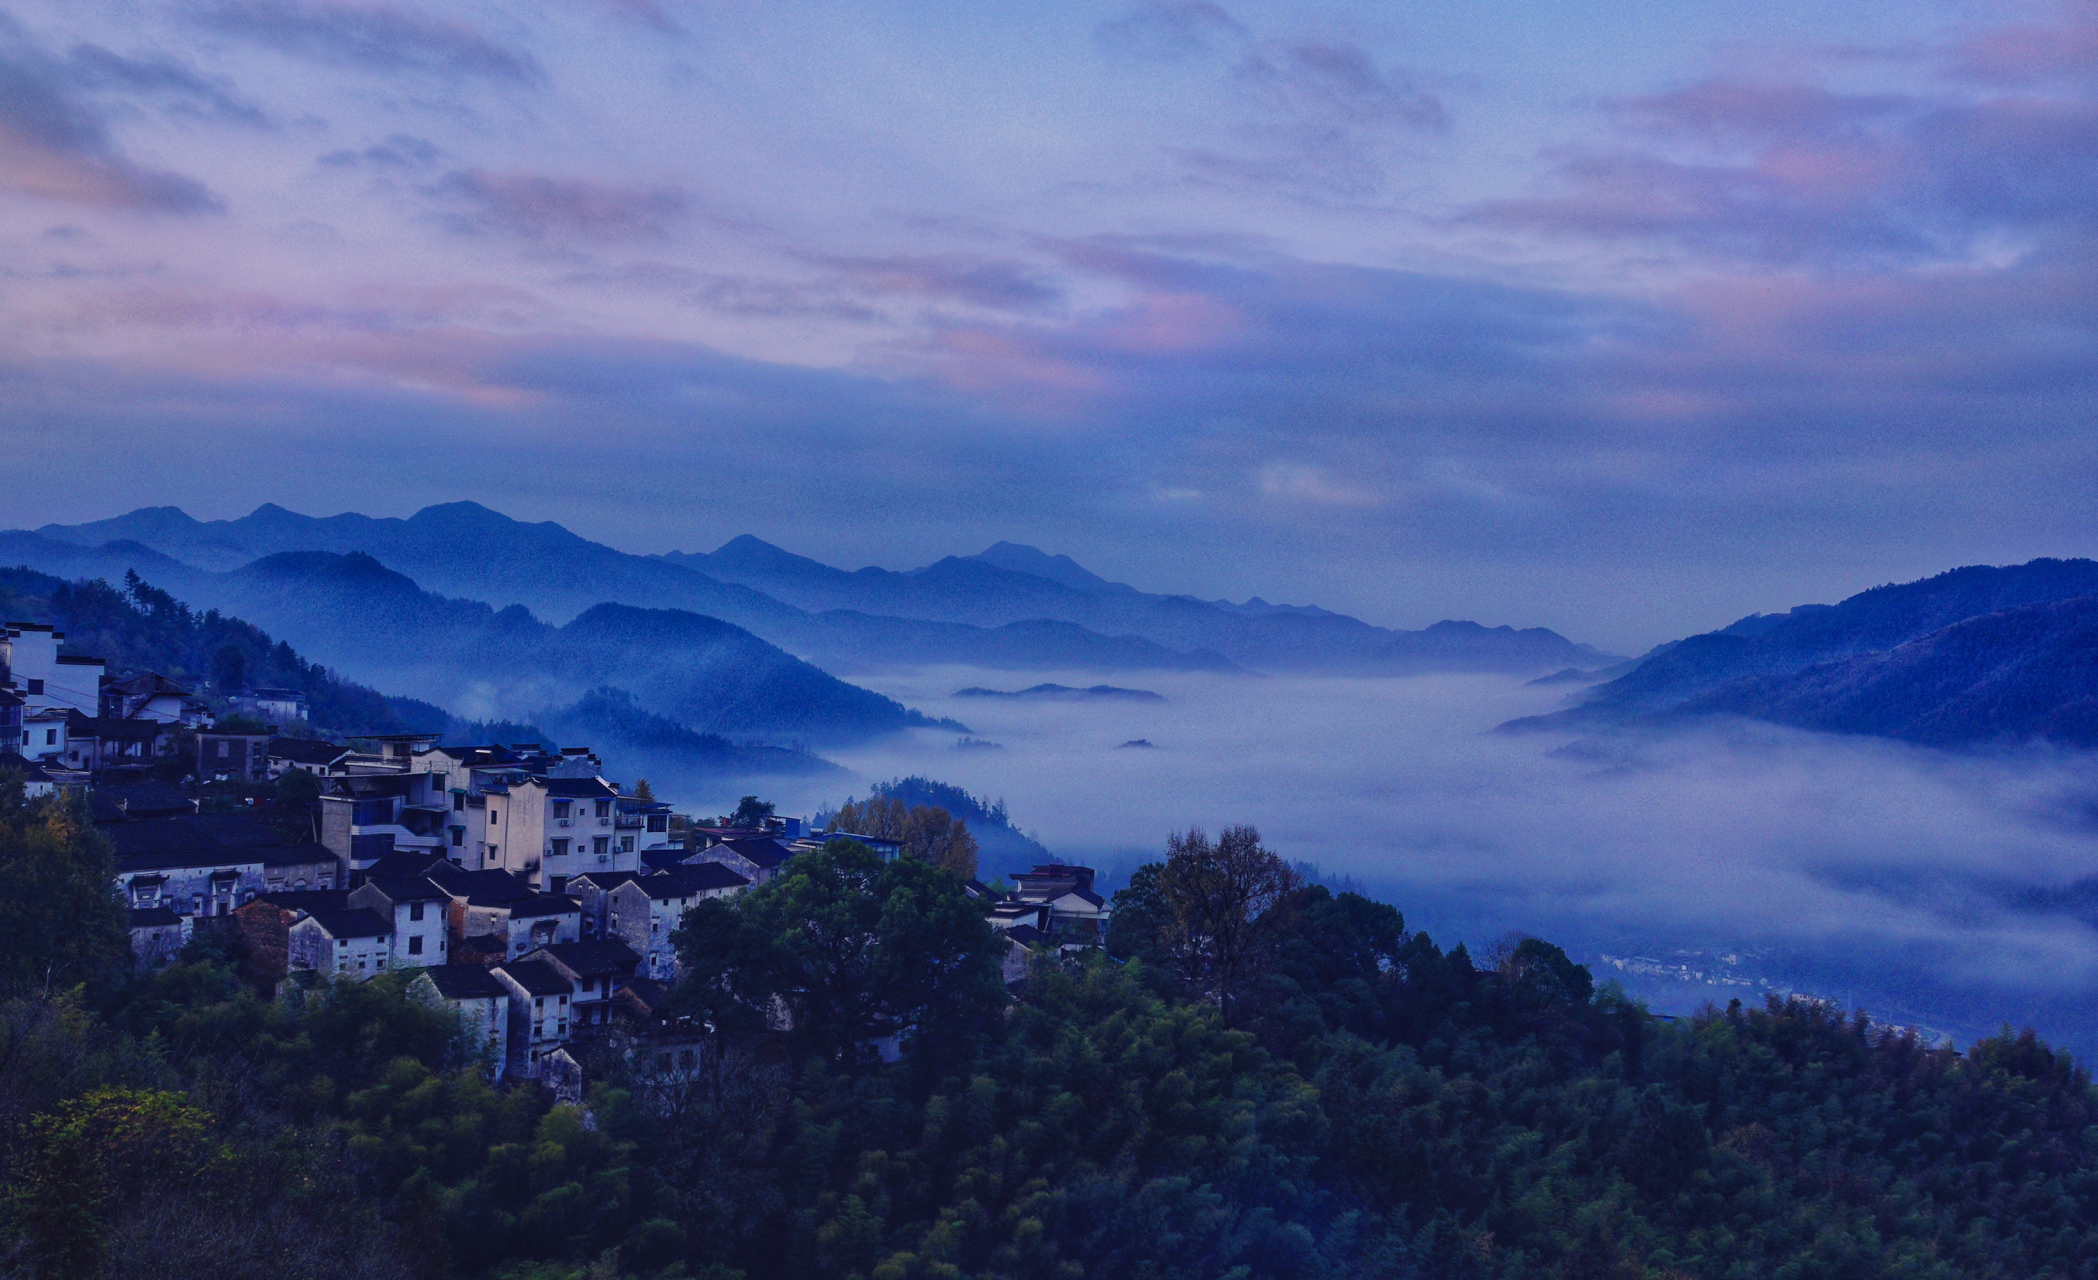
x: 1932, y: 889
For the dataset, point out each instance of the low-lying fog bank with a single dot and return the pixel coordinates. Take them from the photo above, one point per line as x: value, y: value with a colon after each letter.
x: 1923, y: 886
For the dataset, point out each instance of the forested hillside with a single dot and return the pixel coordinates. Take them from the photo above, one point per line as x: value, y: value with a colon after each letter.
x: 1275, y: 1082
x: 142, y: 628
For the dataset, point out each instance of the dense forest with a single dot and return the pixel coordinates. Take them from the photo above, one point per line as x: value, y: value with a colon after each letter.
x: 139, y: 628
x: 1265, y: 1080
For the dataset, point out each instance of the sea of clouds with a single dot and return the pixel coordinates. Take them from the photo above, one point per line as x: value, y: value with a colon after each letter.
x: 1932, y: 889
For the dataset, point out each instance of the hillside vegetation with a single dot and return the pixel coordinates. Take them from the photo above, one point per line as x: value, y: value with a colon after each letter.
x: 1373, y: 1106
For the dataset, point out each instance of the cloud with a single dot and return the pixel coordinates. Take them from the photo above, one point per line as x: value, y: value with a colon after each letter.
x: 56, y: 146
x: 1887, y: 876
x: 185, y: 90
x: 1321, y: 119
x: 536, y: 206
x: 1167, y: 30
x: 374, y: 35
x: 961, y: 277
x: 1999, y: 158
x: 398, y: 151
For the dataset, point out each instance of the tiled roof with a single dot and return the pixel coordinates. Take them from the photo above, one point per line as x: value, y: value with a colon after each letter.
x: 299, y: 855
x: 308, y: 900
x: 688, y: 878
x: 465, y: 982
x: 190, y: 833
x: 766, y: 853
x: 581, y: 788
x: 351, y: 922
x: 594, y: 958
x: 537, y: 977
x: 409, y: 889
x: 542, y: 904
x: 481, y: 888
x: 153, y: 917
x: 306, y: 750
x: 606, y: 881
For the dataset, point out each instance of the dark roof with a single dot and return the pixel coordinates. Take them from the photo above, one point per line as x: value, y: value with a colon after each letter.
x: 153, y: 917
x: 483, y: 944
x: 306, y: 750
x: 480, y: 888
x: 465, y: 982
x: 406, y: 864
x: 308, y: 900
x: 594, y: 958
x: 542, y: 904
x: 688, y: 878
x: 1027, y: 936
x: 651, y: 994
x: 141, y: 800
x: 1086, y: 894
x: 189, y: 833
x: 663, y: 859
x: 606, y: 881
x: 408, y: 889
x: 537, y: 977
x: 80, y: 726
x: 352, y: 922
x: 766, y: 853
x: 298, y: 855
x: 581, y: 788
x: 80, y: 660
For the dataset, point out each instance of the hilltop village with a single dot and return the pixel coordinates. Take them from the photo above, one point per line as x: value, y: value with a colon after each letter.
x: 519, y: 886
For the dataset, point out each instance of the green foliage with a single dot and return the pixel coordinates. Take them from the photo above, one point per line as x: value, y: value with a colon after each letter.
x: 1377, y: 1107
x: 851, y: 948
x: 59, y: 921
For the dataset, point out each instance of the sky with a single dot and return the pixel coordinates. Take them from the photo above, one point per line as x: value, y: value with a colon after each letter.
x: 1620, y: 319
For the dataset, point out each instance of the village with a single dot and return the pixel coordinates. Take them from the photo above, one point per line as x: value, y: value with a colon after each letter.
x: 517, y: 885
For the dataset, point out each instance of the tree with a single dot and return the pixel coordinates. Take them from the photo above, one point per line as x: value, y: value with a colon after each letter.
x: 642, y: 791
x: 926, y: 831
x: 60, y: 923
x: 1216, y: 898
x: 852, y: 948
x: 229, y: 670
x: 751, y: 812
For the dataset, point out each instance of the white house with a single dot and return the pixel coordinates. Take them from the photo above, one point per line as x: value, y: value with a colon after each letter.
x: 645, y: 913
x: 353, y: 942
x: 596, y: 970
x: 551, y: 829
x: 417, y: 909
x: 539, y: 1011
x: 481, y: 1001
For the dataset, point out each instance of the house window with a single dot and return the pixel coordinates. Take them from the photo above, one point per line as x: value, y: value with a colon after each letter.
x: 561, y: 809
x: 560, y: 849
x: 626, y: 844
x: 458, y: 802
x: 600, y: 845
x: 50, y: 737
x: 659, y: 822
x: 494, y: 816
x: 458, y: 837
x: 604, y: 808
x: 415, y: 945
x: 415, y: 911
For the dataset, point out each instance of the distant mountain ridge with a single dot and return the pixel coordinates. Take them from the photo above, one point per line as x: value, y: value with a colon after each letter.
x: 1011, y: 606
x: 1974, y: 655
x: 361, y: 617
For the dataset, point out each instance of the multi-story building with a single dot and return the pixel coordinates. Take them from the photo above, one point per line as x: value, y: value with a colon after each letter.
x: 44, y: 676
x: 481, y: 1001
x: 550, y: 829
x: 539, y: 1012
x: 645, y: 913
x: 352, y: 942
x: 418, y: 910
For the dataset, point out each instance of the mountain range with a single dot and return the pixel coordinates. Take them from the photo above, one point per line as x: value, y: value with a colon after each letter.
x: 358, y: 616
x: 1010, y: 607
x: 1973, y: 656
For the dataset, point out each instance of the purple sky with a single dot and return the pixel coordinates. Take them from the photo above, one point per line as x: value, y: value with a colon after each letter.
x: 1622, y: 319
